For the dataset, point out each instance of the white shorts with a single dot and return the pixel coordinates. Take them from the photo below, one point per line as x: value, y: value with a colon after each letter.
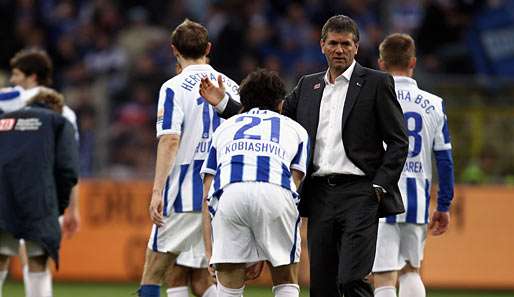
x: 256, y: 221
x: 180, y: 233
x: 397, y: 244
x: 10, y: 246
x: 194, y: 257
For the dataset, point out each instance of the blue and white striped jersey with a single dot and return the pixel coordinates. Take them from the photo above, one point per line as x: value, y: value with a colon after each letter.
x: 257, y: 146
x: 427, y: 128
x: 182, y: 111
x: 14, y: 98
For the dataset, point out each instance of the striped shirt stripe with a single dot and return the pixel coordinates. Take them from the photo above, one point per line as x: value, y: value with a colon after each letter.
x: 168, y: 109
x: 412, y: 200
x: 263, y: 168
x: 236, y: 168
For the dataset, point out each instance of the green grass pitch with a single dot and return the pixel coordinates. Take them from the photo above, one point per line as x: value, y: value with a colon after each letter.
x: 15, y: 289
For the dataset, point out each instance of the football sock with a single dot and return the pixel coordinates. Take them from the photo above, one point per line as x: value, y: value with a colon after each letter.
x: 388, y: 291
x: 3, y: 275
x: 25, y: 270
x: 178, y: 292
x: 411, y: 285
x: 210, y: 292
x: 149, y: 291
x: 39, y: 284
x: 228, y: 292
x: 286, y: 290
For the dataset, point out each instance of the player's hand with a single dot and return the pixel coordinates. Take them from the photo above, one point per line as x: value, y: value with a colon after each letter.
x: 156, y: 209
x: 70, y: 223
x: 254, y: 271
x: 439, y: 222
x: 210, y: 92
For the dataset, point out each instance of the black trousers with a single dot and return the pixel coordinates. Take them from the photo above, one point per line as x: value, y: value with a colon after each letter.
x: 342, y: 235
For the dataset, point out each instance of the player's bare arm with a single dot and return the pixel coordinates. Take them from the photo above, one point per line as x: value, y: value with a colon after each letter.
x: 71, y: 218
x: 166, y: 153
x: 210, y: 92
x: 297, y: 177
x: 206, y: 220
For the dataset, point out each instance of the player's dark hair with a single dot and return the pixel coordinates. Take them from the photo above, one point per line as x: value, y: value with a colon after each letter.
x: 397, y: 50
x: 262, y: 89
x: 34, y: 61
x: 50, y: 98
x: 190, y: 39
x: 340, y: 24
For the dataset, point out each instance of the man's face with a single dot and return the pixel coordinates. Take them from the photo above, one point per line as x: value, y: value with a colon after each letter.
x: 340, y: 50
x: 19, y: 78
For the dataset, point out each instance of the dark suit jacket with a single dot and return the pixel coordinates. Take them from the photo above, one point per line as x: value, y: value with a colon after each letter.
x: 371, y: 116
x: 38, y: 169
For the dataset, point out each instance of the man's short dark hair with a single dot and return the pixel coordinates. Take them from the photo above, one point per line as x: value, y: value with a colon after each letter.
x: 340, y: 24
x: 190, y: 39
x: 397, y: 50
x: 34, y: 61
x: 262, y: 89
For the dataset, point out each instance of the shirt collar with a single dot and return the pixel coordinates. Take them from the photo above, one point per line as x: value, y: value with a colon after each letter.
x: 399, y: 80
x: 197, y: 67
x: 347, y: 74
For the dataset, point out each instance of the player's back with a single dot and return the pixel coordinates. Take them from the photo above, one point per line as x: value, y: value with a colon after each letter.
x: 428, y: 131
x: 182, y: 111
x: 257, y: 146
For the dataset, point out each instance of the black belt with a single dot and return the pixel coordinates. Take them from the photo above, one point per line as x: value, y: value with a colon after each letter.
x: 337, y: 179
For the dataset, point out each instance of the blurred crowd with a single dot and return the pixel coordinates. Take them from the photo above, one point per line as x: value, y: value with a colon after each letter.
x: 110, y: 57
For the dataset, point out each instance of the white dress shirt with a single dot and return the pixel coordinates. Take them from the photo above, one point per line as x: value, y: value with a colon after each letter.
x: 329, y: 154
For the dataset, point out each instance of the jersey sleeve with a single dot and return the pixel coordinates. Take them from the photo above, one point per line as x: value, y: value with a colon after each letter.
x: 70, y: 115
x: 11, y: 99
x: 170, y: 115
x: 442, y: 134
x: 211, y: 162
x: 444, y: 162
x: 301, y: 157
x: 232, y: 88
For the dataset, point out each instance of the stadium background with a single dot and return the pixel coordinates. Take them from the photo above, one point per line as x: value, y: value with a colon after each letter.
x: 110, y: 58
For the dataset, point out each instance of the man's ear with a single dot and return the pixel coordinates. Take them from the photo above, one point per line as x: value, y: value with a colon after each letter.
x: 381, y: 64
x: 175, y: 51
x: 208, y: 49
x: 412, y: 63
x: 280, y: 107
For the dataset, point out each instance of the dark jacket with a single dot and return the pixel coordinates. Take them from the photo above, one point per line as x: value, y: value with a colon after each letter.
x: 371, y: 116
x: 38, y: 168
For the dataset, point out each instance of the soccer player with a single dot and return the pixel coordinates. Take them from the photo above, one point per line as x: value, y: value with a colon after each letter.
x: 184, y: 127
x: 38, y: 169
x: 31, y: 71
x: 401, y: 238
x: 257, y: 161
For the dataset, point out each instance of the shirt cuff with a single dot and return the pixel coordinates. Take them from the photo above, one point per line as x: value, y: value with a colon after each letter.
x: 380, y: 187
x: 220, y: 107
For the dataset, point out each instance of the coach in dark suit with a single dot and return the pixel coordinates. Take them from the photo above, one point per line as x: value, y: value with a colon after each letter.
x: 349, y: 112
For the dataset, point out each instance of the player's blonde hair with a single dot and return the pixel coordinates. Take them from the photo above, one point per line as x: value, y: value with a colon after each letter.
x: 397, y: 50
x: 49, y: 97
x: 190, y: 39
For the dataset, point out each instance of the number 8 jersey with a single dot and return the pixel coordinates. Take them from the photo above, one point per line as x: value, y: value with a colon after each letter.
x: 427, y: 129
x: 182, y: 111
x: 257, y: 146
